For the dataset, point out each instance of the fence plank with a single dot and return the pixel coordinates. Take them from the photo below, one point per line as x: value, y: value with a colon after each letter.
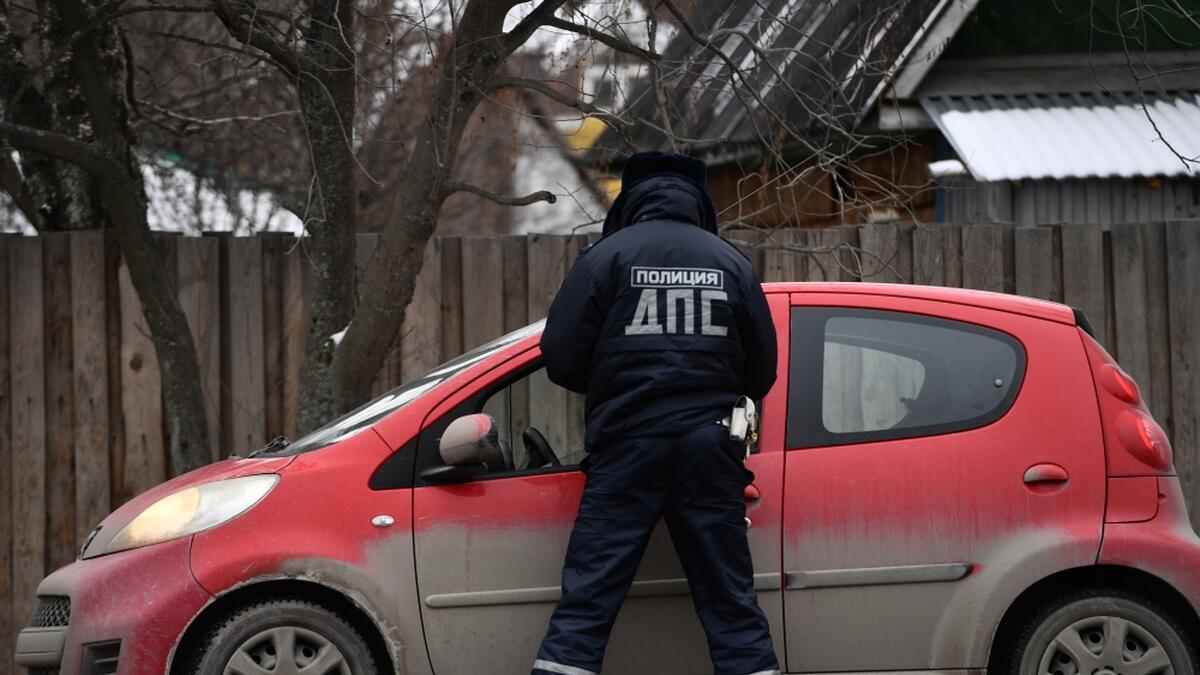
x: 60, y: 401
x: 850, y: 267
x: 751, y: 243
x: 576, y: 410
x: 822, y: 264
x: 272, y: 269
x: 28, y: 474
x: 952, y: 256
x: 89, y: 345
x: 116, y: 368
x: 781, y: 261
x: 452, y: 297
x: 296, y: 286
x: 547, y: 260
x: 421, y: 334
x: 754, y: 247
x: 1158, y: 389
x: 880, y: 250
x: 928, y: 255
x: 516, y: 315
x: 246, y: 344
x: 365, y: 244
x: 1183, y: 275
x: 8, y: 628
x: 141, y: 397
x: 1132, y: 346
x: 983, y: 258
x: 1083, y: 273
x: 1036, y: 271
x: 199, y: 260
x: 483, y: 281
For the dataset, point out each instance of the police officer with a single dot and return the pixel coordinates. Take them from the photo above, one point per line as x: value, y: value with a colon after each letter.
x: 663, y: 325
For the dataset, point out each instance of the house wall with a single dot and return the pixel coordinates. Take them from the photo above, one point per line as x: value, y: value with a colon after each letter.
x: 888, y: 184
x: 1097, y: 201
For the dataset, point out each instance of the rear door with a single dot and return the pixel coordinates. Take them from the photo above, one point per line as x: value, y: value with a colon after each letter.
x: 941, y: 459
x: 489, y: 553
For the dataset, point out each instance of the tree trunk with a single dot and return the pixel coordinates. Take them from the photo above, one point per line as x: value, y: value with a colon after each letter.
x: 98, y: 63
x: 480, y: 46
x: 326, y: 86
x: 52, y: 194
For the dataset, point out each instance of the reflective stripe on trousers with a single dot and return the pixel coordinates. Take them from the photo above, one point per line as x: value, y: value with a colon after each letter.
x: 560, y: 669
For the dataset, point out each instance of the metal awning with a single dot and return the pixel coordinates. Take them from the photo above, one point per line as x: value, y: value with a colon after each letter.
x: 1094, y: 135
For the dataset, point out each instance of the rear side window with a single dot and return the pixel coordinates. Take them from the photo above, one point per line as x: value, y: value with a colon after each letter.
x: 862, y: 375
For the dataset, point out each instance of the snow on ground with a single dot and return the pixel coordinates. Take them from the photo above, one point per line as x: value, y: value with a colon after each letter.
x: 181, y: 202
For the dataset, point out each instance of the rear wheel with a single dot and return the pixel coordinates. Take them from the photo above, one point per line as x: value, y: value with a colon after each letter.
x: 1103, y: 633
x: 284, y: 637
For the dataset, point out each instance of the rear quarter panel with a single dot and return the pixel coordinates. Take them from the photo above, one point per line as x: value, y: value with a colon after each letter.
x: 951, y: 498
x: 1165, y: 546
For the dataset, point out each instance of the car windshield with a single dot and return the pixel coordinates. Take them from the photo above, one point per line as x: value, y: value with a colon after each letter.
x: 369, y: 413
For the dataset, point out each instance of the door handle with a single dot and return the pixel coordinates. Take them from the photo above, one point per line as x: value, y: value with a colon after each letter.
x: 751, y: 493
x: 1046, y: 474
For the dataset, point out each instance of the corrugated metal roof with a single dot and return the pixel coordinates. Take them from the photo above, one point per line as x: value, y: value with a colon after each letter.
x: 1014, y: 137
x: 825, y: 62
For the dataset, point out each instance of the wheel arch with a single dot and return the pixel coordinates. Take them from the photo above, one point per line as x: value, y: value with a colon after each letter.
x: 245, y: 594
x: 1081, y: 578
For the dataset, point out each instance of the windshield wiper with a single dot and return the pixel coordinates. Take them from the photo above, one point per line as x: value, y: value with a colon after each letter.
x: 277, y: 443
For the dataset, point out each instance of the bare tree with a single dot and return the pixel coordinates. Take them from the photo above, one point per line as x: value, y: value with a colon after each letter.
x: 87, y: 50
x: 361, y: 110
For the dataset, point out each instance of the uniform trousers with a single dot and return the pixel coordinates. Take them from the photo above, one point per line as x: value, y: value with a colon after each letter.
x: 696, y: 481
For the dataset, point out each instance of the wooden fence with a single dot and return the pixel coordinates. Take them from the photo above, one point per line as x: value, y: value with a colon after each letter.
x: 81, y: 419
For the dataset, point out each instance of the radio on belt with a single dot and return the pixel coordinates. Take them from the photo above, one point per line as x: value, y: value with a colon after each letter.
x: 743, y: 421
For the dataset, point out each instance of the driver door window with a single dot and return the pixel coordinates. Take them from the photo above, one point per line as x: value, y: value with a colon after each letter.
x: 533, y: 401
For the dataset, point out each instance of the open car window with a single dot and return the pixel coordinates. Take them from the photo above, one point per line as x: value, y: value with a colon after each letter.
x: 369, y: 413
x: 532, y: 401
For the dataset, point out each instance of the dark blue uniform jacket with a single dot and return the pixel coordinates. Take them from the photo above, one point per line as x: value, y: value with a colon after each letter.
x: 661, y: 323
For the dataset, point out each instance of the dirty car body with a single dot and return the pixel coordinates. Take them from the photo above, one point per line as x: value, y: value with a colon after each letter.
x: 935, y: 469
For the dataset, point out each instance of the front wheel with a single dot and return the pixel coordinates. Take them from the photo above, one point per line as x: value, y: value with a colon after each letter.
x: 284, y: 637
x: 1103, y: 633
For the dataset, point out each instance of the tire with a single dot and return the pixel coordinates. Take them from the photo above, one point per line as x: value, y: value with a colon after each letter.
x: 1079, y: 635
x: 323, y: 643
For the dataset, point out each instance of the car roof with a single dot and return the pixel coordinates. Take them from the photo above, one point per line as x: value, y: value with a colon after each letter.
x: 1041, y: 309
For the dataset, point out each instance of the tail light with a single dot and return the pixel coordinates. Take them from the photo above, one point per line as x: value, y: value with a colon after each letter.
x: 1135, y: 443
x: 1143, y: 438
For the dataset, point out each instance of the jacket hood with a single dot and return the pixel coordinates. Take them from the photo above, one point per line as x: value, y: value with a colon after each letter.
x: 664, y: 196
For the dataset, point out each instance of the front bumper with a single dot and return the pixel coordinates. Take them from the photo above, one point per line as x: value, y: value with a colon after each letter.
x: 127, y: 610
x: 41, y: 647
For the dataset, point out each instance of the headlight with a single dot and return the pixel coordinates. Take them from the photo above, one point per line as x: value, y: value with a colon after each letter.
x: 192, y: 510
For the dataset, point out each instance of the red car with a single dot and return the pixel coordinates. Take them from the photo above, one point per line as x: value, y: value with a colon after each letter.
x: 946, y: 480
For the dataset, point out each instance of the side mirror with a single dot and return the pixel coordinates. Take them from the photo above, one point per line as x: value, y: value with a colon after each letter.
x: 467, y: 445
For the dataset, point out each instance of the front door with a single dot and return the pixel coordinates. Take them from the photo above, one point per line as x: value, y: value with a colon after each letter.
x: 912, y: 518
x: 489, y: 553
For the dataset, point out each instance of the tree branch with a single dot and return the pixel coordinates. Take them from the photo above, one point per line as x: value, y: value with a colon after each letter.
x: 89, y: 157
x: 210, y: 121
x: 540, y: 16
x: 246, y: 30
x: 541, y: 87
x: 601, y: 36
x: 451, y: 186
